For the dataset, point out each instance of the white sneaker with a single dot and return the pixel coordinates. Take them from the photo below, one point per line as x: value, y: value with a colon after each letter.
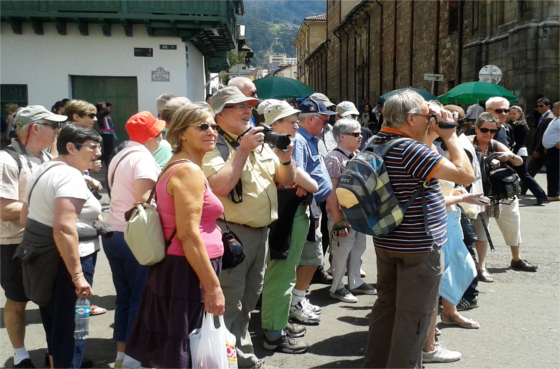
x: 440, y: 355
x: 343, y: 295
x: 314, y: 308
x: 303, y: 314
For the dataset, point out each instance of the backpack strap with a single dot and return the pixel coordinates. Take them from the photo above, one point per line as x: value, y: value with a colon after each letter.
x: 37, y: 180
x: 222, y: 144
x: 12, y: 152
x: 112, y: 180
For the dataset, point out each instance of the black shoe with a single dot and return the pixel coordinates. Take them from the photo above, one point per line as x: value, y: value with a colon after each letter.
x: 465, y: 304
x: 87, y: 363
x: 323, y: 278
x: 295, y: 330
x: 540, y: 201
x: 26, y: 363
x: 285, y: 344
x: 523, y: 266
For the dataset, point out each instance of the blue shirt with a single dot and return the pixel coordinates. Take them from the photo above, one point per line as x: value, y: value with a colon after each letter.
x: 552, y: 135
x: 307, y: 157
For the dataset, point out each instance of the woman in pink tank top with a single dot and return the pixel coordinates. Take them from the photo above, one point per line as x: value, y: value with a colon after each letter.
x: 185, y: 284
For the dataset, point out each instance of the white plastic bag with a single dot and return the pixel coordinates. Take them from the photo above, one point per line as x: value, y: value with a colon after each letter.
x: 213, y: 348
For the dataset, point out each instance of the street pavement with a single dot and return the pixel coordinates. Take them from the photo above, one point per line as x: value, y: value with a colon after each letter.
x: 519, y: 313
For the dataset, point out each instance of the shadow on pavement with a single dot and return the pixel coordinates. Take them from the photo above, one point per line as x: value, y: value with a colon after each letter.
x: 357, y: 363
x: 32, y: 316
x: 351, y: 344
x: 498, y: 270
x: 108, y: 302
x: 363, y: 322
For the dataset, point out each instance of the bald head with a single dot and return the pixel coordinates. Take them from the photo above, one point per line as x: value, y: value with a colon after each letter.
x: 245, y: 85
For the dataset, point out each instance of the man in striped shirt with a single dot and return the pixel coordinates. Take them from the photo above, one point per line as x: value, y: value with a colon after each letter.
x: 409, y: 264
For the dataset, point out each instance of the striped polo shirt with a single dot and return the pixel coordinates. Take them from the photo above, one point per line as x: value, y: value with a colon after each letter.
x: 409, y: 164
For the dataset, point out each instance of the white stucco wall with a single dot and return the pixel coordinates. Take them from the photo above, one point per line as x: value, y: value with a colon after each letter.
x: 46, y: 62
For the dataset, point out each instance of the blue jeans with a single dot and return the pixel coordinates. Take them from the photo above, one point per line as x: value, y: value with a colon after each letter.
x: 129, y: 278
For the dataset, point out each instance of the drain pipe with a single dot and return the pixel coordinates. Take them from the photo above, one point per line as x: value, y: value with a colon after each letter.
x: 411, y: 50
x: 380, y: 49
x: 337, y: 35
x: 395, y: 47
x: 436, y: 65
x: 347, y: 40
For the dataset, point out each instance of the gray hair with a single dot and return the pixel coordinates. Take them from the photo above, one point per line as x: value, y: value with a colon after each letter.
x: 344, y: 125
x: 399, y: 106
x: 303, y: 117
x: 496, y: 99
x: 487, y: 117
x: 162, y: 100
x: 239, y: 82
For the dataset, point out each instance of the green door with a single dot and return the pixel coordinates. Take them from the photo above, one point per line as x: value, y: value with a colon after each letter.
x: 122, y: 92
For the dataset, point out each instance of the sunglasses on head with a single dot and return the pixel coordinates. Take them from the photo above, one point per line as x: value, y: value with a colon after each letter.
x: 355, y: 134
x: 205, y: 126
x: 501, y: 111
x: 486, y: 130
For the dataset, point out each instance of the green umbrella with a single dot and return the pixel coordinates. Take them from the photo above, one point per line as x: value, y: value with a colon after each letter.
x: 425, y: 94
x: 473, y: 92
x: 282, y: 88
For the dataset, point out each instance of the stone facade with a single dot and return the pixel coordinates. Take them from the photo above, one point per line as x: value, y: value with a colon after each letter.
x: 373, y: 47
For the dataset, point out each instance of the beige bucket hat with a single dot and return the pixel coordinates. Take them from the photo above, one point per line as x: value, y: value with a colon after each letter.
x: 275, y: 112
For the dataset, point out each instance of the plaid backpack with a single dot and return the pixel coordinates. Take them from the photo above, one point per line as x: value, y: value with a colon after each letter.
x: 365, y: 193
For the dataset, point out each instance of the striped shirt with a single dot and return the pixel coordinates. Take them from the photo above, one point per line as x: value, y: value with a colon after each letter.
x: 408, y: 164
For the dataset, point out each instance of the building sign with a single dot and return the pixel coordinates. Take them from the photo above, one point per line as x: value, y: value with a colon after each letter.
x: 168, y: 47
x: 144, y: 51
x: 160, y: 75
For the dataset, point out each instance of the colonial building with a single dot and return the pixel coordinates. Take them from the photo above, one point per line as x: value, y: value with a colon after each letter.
x: 126, y: 52
x: 311, y: 34
x: 373, y: 47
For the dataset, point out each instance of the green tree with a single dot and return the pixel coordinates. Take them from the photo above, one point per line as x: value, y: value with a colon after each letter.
x: 237, y: 59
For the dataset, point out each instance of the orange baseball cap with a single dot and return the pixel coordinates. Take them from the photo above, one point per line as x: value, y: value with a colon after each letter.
x: 143, y: 126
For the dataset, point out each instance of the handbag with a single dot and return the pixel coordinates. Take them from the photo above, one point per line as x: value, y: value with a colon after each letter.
x: 233, y: 249
x: 144, y: 232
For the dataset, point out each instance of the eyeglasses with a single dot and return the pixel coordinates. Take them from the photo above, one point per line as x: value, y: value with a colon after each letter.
x: 355, y: 134
x: 92, y: 115
x: 240, y: 107
x: 56, y: 125
x: 429, y: 116
x: 486, y: 130
x: 93, y: 147
x: 254, y: 93
x: 540, y: 106
x: 501, y: 111
x: 205, y: 126
x: 318, y: 116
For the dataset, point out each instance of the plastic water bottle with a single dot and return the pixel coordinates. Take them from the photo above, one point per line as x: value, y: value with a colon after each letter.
x: 81, y: 332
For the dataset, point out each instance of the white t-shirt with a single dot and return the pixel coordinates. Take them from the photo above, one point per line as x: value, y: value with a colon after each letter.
x: 138, y: 165
x: 12, y: 187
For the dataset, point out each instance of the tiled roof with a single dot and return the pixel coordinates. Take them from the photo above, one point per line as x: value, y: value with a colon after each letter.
x: 320, y: 17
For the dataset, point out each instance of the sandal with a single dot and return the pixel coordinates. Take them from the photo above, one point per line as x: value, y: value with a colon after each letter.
x: 460, y: 321
x: 438, y: 332
x: 97, y: 310
x: 484, y: 276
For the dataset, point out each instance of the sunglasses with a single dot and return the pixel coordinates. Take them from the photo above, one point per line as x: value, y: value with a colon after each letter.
x: 355, y: 134
x: 56, y: 125
x: 430, y: 116
x: 240, y: 107
x: 319, y: 117
x: 92, y: 115
x: 205, y: 126
x: 501, y: 111
x: 540, y: 106
x: 486, y: 130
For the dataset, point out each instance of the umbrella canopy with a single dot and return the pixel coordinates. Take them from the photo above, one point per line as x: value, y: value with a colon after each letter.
x: 473, y: 92
x: 425, y: 94
x: 282, y: 88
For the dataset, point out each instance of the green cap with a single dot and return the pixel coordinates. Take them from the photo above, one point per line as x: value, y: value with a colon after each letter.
x: 34, y: 113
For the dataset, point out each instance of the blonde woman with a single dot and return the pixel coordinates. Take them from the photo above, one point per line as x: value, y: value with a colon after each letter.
x: 11, y: 109
x: 185, y: 284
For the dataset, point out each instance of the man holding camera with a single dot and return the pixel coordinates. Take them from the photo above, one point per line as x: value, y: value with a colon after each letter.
x: 409, y: 262
x: 244, y: 180
x: 313, y: 117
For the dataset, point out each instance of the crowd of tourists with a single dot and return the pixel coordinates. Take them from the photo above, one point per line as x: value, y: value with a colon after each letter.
x: 268, y: 171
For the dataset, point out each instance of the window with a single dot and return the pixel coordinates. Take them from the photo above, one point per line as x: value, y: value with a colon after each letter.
x: 453, y: 17
x: 14, y: 94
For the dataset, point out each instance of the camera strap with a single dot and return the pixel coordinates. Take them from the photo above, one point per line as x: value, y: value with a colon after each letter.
x: 236, y: 194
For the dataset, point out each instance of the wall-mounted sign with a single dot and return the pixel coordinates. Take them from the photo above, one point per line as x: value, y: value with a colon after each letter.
x: 160, y: 75
x: 490, y: 74
x: 433, y: 77
x: 168, y: 47
x: 144, y: 51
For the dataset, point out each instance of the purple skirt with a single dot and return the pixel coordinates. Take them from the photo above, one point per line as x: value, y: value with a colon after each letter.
x: 171, y: 307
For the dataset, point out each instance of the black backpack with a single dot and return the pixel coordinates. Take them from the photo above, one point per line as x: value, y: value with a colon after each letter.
x: 498, y: 184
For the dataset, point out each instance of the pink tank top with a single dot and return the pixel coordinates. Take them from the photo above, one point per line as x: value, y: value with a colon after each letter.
x: 212, y: 209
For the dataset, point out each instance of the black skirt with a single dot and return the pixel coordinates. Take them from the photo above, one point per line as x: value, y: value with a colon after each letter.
x: 171, y: 307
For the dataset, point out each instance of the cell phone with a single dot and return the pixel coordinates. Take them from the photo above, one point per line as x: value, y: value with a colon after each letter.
x: 447, y: 125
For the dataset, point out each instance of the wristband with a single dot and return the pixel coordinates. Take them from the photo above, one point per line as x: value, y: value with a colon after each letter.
x: 287, y: 163
x: 78, y: 277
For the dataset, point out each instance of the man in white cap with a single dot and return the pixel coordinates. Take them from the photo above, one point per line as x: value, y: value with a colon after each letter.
x: 243, y: 179
x: 36, y: 129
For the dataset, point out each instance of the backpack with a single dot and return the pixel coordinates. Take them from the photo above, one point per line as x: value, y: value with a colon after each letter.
x: 366, y: 196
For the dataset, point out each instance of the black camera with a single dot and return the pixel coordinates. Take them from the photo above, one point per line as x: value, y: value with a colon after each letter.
x: 275, y: 139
